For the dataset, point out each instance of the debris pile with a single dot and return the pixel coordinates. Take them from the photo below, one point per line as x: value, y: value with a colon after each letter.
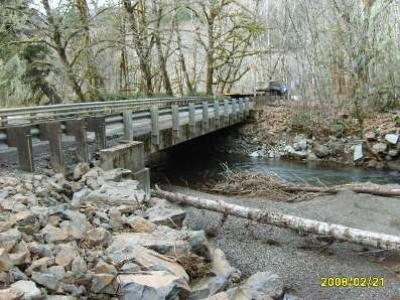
x: 100, y: 237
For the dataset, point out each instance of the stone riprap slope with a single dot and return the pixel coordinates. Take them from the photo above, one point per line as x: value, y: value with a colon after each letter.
x: 99, y: 237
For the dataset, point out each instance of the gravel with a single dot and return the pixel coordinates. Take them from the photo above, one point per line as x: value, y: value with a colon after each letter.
x: 301, y: 260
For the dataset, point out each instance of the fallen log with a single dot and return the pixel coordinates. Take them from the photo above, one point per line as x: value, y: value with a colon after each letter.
x: 335, y: 231
x: 378, y: 191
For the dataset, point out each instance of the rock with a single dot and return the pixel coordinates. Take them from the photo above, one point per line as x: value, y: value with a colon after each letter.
x: 300, y: 143
x: 118, y: 193
x: 147, y: 259
x: 163, y: 240
x: 292, y: 153
x: 321, y: 151
x: 154, y: 285
x: 57, y: 271
x: 65, y: 255
x: 139, y: 224
x: 79, y: 265
x: 117, y: 174
x: 392, y: 138
x: 221, y: 267
x: 379, y: 148
x: 54, y: 235
x: 28, y: 288
x: 60, y: 297
x: 393, y: 152
x: 208, y: 287
x: 97, y: 237
x: 165, y: 215
x: 17, y: 274
x: 47, y: 280
x: 11, y: 294
x: 20, y: 254
x: 370, y: 136
x: 116, y: 221
x: 80, y: 170
x: 9, y: 239
x: 5, y: 262
x: 27, y: 222
x: 39, y: 265
x: 79, y: 197
x: 101, y: 281
x: 258, y: 286
x: 103, y: 267
x: 358, y: 152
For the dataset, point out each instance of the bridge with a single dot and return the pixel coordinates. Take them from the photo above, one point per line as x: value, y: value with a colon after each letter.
x: 124, y: 131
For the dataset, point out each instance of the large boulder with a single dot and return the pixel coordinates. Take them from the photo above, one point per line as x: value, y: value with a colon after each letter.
x: 117, y: 193
x: 166, y: 215
x: 164, y: 240
x: 147, y: 259
x: 379, y: 148
x: 28, y: 288
x: 154, y: 285
x: 321, y: 151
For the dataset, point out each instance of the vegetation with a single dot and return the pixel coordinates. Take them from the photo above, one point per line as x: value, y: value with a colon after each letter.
x: 343, y: 54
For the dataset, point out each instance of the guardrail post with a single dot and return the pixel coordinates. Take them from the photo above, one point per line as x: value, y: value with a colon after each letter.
x: 175, y: 123
x: 21, y: 138
x: 128, y: 125
x: 234, y: 110
x: 216, y: 114
x: 226, y: 112
x: 241, y: 109
x: 77, y: 128
x: 246, y: 106
x: 155, y: 126
x: 52, y: 132
x: 192, y: 119
x: 98, y: 126
x: 205, y: 124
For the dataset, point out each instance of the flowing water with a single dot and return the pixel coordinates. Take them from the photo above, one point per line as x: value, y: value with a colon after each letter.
x: 194, y: 164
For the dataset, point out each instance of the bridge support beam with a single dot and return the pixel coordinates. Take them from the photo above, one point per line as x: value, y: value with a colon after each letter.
x: 216, y: 115
x: 52, y: 132
x: 128, y: 126
x: 128, y: 156
x: 21, y: 138
x: 192, y: 120
x: 77, y: 129
x: 175, y: 123
x: 205, y: 123
x: 98, y: 126
x: 155, y: 126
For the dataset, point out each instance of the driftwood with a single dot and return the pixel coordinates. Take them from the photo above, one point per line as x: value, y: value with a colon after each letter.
x: 337, y: 232
x: 378, y: 191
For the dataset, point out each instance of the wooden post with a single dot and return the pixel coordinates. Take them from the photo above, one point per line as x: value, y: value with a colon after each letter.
x: 128, y: 126
x: 226, y: 112
x: 155, y: 126
x: 21, y: 138
x: 52, y: 132
x: 192, y: 119
x: 234, y: 111
x: 175, y: 123
x: 246, y: 106
x: 216, y: 114
x: 77, y: 129
x: 205, y: 125
x: 241, y: 109
x: 98, y: 126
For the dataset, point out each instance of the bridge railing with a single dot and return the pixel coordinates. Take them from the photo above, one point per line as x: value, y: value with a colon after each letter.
x: 49, y: 123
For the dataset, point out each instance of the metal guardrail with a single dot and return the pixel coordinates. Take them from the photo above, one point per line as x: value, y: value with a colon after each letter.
x: 60, y: 112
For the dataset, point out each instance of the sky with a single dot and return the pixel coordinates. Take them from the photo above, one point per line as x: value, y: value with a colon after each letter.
x: 55, y: 3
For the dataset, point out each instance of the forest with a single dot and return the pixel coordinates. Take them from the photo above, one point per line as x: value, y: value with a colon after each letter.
x: 333, y: 52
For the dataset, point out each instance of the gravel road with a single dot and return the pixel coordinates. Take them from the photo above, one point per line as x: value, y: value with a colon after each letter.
x: 301, y: 260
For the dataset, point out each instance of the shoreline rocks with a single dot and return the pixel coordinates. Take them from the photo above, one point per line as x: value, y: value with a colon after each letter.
x: 99, y: 236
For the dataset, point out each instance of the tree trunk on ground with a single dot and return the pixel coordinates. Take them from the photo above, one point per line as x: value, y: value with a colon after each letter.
x: 338, y: 232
